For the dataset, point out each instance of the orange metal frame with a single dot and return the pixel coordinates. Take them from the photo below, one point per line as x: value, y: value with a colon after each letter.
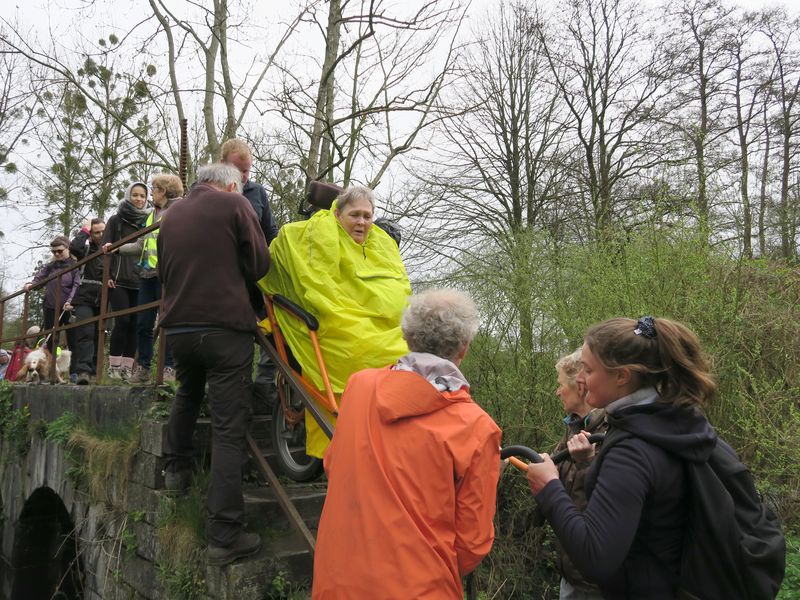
x: 324, y: 397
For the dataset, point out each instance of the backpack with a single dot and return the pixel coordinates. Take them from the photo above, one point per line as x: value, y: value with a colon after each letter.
x: 734, y: 547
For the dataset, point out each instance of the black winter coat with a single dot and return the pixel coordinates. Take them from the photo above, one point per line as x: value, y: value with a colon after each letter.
x: 88, y: 293
x: 638, y: 503
x: 124, y: 269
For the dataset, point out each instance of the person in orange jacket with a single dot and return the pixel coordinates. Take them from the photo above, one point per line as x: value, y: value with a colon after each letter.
x: 412, y: 468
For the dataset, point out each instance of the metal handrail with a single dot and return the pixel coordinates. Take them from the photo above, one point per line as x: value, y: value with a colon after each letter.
x: 104, y: 314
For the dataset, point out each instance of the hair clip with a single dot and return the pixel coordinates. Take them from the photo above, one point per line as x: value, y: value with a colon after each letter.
x: 646, y: 326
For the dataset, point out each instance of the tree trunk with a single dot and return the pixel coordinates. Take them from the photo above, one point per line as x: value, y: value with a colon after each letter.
x: 762, y: 208
x: 326, y: 82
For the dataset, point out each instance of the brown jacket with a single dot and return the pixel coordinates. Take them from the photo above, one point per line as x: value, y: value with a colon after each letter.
x: 209, y: 246
x: 572, y: 475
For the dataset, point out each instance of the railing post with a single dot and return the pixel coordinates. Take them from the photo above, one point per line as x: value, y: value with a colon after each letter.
x: 184, y: 153
x: 25, y: 308
x: 54, y: 334
x: 101, y: 326
x: 162, y: 348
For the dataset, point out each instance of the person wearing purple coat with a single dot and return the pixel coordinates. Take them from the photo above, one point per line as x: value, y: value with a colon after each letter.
x: 61, y: 260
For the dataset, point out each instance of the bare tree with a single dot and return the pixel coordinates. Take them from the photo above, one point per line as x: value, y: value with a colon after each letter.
x: 494, y: 184
x: 66, y: 71
x: 376, y: 89
x: 611, y: 73
x: 784, y: 41
x: 208, y: 31
x: 749, y: 89
x: 18, y: 105
x: 700, y: 44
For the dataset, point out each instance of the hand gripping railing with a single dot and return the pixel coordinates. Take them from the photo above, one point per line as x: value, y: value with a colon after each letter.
x: 512, y: 452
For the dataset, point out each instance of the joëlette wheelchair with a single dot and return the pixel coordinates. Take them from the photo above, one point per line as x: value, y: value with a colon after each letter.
x: 296, y: 393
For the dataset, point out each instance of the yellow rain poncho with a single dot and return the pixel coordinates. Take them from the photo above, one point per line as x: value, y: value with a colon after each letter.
x: 357, y: 292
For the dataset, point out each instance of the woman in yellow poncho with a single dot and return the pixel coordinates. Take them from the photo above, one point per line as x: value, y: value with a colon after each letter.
x: 348, y: 273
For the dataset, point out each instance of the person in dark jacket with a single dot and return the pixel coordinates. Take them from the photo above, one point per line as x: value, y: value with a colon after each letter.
x: 87, y: 298
x: 651, y: 377
x: 61, y: 260
x: 167, y: 189
x: 211, y: 326
x: 124, y: 280
x: 236, y: 152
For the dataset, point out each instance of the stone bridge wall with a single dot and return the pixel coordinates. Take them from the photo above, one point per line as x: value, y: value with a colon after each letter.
x: 37, y: 495
x: 115, y: 539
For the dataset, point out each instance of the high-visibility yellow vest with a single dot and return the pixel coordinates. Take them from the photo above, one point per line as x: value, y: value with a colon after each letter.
x: 149, y: 258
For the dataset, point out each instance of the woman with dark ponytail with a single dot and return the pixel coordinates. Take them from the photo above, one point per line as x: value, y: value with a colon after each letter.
x: 652, y: 378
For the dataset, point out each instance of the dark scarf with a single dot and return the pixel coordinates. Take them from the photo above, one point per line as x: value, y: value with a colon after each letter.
x: 131, y: 214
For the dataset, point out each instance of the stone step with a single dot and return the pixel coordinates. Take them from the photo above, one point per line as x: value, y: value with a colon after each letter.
x: 154, y: 434
x: 264, y: 510
x: 283, y: 558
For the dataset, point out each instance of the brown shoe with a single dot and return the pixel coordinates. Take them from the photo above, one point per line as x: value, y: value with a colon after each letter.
x: 176, y: 483
x: 246, y: 544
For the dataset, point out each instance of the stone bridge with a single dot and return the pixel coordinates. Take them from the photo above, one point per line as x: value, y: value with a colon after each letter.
x: 88, y: 519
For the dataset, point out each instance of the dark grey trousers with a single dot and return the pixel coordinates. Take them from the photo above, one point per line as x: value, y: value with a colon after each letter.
x: 223, y: 359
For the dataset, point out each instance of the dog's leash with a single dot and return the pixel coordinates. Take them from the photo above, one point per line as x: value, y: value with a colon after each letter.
x: 47, y: 337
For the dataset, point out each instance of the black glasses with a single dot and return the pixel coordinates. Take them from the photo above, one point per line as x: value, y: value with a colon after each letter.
x: 57, y: 251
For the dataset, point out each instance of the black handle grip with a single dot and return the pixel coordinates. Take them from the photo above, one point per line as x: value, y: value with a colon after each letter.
x: 309, y: 319
x: 522, y: 451
x: 533, y: 456
x: 564, y: 454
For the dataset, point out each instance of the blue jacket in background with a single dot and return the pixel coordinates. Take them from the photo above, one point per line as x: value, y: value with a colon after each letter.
x: 259, y: 199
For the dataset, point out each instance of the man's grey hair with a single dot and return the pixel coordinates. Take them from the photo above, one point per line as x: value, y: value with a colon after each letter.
x: 440, y: 321
x: 219, y: 174
x: 353, y: 193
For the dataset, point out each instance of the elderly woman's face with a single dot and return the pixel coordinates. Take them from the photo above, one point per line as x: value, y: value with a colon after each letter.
x: 159, y: 196
x: 571, y: 397
x: 356, y: 218
x: 138, y: 196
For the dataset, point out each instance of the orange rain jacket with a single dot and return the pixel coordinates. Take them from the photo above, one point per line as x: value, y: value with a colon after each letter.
x: 411, y: 494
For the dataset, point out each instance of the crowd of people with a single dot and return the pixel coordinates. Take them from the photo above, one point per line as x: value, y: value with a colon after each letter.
x: 133, y: 281
x: 414, y: 464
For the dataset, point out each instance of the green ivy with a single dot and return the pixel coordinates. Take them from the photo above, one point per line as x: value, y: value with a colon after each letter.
x: 14, y: 422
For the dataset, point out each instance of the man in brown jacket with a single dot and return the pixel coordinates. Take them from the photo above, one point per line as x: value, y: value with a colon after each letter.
x: 209, y: 247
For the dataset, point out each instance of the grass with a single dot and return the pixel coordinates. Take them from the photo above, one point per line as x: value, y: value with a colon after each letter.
x: 106, y: 460
x: 181, y: 540
x: 791, y: 581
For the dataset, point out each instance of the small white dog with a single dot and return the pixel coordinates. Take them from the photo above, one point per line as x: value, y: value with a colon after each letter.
x: 36, y: 366
x: 62, y: 365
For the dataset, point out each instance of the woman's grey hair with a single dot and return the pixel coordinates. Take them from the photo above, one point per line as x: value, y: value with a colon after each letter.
x: 221, y: 175
x: 440, y: 322
x: 570, y: 366
x: 353, y: 193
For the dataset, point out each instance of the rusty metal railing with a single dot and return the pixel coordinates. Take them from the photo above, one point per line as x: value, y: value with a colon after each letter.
x: 104, y: 315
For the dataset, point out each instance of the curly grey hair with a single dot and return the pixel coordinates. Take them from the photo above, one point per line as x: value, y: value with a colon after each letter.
x: 354, y: 192
x: 221, y: 175
x: 570, y: 366
x: 440, y: 322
